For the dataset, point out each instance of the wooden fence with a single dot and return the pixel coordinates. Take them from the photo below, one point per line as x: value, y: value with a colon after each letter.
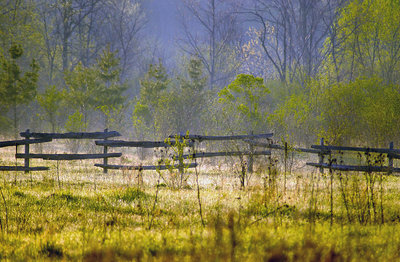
x: 323, y: 151
x: 139, y: 144
x: 48, y: 137
x: 374, y: 166
x: 190, y: 143
x: 245, y: 138
x: 34, y: 138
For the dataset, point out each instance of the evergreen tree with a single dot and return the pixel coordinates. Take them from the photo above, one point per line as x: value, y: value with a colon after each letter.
x: 110, y: 96
x: 16, y: 87
x: 152, y: 85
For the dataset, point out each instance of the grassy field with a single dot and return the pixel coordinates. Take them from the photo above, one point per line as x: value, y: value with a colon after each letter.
x: 74, y: 212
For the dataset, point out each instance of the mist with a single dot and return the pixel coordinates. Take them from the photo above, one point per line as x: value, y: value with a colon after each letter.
x: 153, y: 68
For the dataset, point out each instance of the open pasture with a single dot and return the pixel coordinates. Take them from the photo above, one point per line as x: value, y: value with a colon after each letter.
x: 75, y: 212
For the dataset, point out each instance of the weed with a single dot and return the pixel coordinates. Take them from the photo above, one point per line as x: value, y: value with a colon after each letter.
x: 51, y: 250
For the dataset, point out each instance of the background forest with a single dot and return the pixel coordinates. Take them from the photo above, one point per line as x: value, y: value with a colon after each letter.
x: 302, y: 69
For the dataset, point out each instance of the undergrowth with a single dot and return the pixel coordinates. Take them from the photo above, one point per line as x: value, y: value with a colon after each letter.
x: 302, y: 217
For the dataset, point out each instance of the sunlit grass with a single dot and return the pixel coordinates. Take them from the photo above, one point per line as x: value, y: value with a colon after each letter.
x: 75, y: 212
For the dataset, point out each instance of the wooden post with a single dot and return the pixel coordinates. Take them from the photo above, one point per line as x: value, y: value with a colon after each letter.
x: 26, y: 164
x: 285, y: 163
x: 251, y: 160
x: 180, y: 157
x: 390, y: 157
x: 105, y: 151
x: 321, y: 157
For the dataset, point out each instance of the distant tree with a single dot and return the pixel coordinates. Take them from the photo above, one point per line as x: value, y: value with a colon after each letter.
x: 154, y: 82
x: 16, y: 87
x: 70, y: 15
x: 81, y: 91
x: 367, y: 42
x: 122, y: 26
x: 110, y: 94
x: 78, y: 30
x: 211, y: 30
x: 193, y: 96
x: 196, y: 79
x: 291, y: 34
x: 181, y: 107
x: 51, y: 101
x: 242, y: 101
x: 96, y: 87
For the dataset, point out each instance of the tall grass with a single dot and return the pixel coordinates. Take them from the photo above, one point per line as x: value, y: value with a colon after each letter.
x: 305, y: 216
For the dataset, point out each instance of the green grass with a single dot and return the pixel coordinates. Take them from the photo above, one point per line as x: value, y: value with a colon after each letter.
x: 92, y: 216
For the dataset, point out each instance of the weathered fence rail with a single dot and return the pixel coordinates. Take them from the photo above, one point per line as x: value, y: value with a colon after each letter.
x: 250, y: 153
x: 191, y: 139
x: 23, y: 168
x: 48, y: 137
x: 141, y: 168
x: 390, y: 153
x: 142, y: 144
x: 252, y: 140
x: 24, y: 142
x: 356, y: 168
x: 72, y: 135
x: 233, y: 153
x: 68, y: 156
x: 221, y: 138
x: 279, y: 147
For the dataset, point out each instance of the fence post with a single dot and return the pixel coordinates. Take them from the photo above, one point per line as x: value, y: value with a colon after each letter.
x: 285, y: 163
x: 26, y: 164
x: 105, y: 151
x: 321, y: 157
x: 251, y: 161
x: 390, y: 157
x: 179, y: 138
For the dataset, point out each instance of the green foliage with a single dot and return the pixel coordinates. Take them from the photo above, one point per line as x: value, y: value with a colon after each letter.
x: 174, y: 157
x: 196, y: 81
x: 152, y: 86
x: 182, y: 108
x: 153, y: 83
x: 19, y: 26
x: 291, y: 120
x: 110, y: 94
x: 16, y: 87
x: 114, y: 116
x: 81, y: 90
x: 131, y: 195
x: 96, y: 87
x: 244, y: 99
x: 51, y: 102
x: 364, y: 111
x: 367, y: 41
x: 76, y: 123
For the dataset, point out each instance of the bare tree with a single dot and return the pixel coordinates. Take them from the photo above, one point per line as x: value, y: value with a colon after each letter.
x: 77, y: 30
x: 291, y: 34
x: 70, y: 15
x: 122, y: 27
x: 210, y: 31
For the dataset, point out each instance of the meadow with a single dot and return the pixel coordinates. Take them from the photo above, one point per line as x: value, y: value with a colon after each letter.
x: 75, y: 212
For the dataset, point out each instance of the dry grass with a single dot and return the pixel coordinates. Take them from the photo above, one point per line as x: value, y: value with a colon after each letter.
x: 79, y: 213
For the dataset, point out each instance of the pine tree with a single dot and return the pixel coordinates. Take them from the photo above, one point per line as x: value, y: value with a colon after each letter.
x: 16, y: 87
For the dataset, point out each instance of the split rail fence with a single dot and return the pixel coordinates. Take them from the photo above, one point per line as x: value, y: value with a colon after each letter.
x: 323, y: 151
x: 35, y: 138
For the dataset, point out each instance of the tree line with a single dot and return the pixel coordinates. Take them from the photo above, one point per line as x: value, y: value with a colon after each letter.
x: 303, y: 69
